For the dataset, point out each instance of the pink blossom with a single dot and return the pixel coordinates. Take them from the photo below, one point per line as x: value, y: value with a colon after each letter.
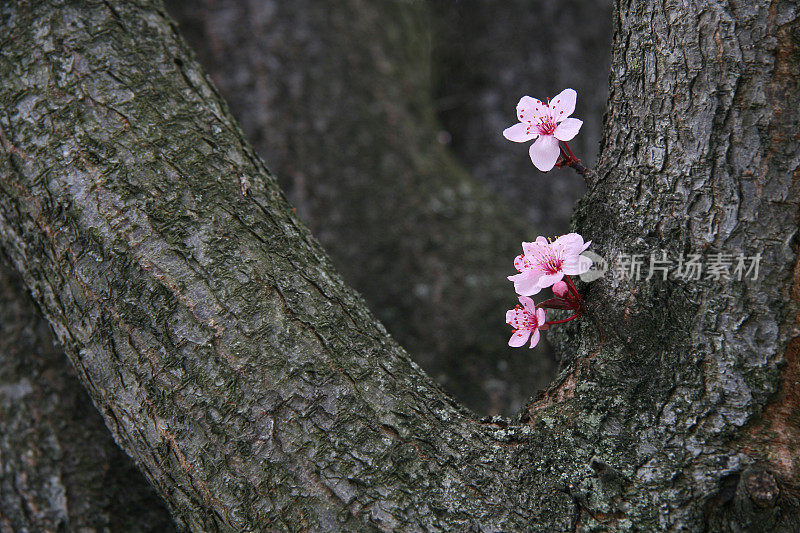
x: 549, y: 122
x: 544, y: 263
x: 526, y: 321
x: 560, y: 288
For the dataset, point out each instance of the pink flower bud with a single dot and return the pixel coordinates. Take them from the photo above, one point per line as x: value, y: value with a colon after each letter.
x: 560, y: 289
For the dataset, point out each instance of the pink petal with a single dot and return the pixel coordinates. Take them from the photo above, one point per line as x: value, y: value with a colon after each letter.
x: 521, y: 264
x: 530, y: 109
x: 544, y: 152
x: 541, y: 317
x: 568, y: 129
x: 548, y: 280
x: 520, y: 133
x: 563, y: 104
x: 511, y: 314
x: 525, y: 284
x: 539, y: 247
x: 572, y: 243
x: 585, y: 246
x: 575, y: 266
x: 535, y: 338
x: 527, y: 304
x: 519, y: 338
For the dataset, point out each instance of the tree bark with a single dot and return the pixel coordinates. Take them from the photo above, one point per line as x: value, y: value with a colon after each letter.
x: 700, y: 156
x: 336, y: 97
x: 59, y: 468
x: 256, y: 390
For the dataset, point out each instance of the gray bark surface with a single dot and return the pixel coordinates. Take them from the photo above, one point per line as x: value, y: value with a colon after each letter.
x: 256, y: 390
x: 59, y: 467
x: 336, y: 97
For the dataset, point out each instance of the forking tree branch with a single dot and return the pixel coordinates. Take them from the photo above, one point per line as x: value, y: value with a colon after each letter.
x: 257, y: 392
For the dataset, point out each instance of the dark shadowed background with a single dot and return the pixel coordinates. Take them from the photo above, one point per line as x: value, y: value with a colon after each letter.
x: 383, y: 121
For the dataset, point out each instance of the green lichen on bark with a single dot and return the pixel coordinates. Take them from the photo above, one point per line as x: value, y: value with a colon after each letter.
x: 255, y: 389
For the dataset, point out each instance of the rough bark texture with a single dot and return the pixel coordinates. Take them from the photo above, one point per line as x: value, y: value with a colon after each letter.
x: 336, y: 96
x: 59, y: 468
x: 488, y: 53
x: 256, y: 390
x: 701, y: 155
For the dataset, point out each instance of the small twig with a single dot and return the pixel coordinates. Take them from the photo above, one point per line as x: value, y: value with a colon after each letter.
x: 571, y: 161
x: 573, y: 289
x: 580, y: 169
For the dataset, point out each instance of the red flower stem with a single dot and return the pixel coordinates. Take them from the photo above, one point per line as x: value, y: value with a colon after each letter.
x: 572, y: 287
x: 574, y: 162
x: 554, y: 322
x: 571, y: 155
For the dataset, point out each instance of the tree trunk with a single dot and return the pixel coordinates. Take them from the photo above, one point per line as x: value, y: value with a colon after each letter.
x: 258, y: 392
x: 59, y: 468
x: 336, y: 97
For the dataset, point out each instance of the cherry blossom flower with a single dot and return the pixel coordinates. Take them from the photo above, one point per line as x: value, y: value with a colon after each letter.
x: 544, y: 263
x: 526, y: 321
x: 549, y: 122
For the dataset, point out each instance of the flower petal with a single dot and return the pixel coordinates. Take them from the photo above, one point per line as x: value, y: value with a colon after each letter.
x: 568, y: 129
x: 511, y: 314
x: 519, y: 338
x: 520, y: 133
x: 575, y: 266
x: 563, y: 104
x: 544, y: 152
x: 549, y: 279
x: 527, y: 304
x: 530, y: 109
x: 525, y: 284
x: 522, y: 263
x: 535, y: 338
x: 571, y: 243
x: 541, y: 317
x: 536, y: 248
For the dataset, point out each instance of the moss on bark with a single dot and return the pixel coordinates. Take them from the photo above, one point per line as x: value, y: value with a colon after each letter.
x: 256, y: 390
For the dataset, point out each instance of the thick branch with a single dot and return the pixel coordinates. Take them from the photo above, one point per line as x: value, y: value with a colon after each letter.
x: 257, y: 391
x: 59, y: 467
x: 254, y: 389
x: 700, y: 156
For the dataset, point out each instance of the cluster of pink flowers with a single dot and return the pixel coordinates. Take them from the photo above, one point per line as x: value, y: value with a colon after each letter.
x: 545, y: 264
